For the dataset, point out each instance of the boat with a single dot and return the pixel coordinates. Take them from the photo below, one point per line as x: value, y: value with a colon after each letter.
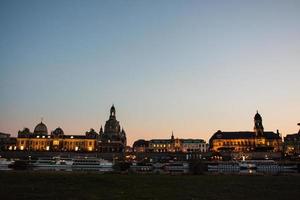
x: 224, y: 167
x: 246, y: 165
x: 55, y: 163
x: 177, y: 167
x: 5, y: 163
x: 93, y: 164
x: 141, y: 167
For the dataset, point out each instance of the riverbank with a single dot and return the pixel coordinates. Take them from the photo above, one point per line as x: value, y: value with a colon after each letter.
x: 63, y: 185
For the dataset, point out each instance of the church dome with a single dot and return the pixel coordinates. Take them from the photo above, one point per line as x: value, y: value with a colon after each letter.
x: 58, y: 132
x: 41, y: 128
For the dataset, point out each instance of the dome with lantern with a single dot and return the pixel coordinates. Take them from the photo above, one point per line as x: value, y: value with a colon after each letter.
x: 41, y: 129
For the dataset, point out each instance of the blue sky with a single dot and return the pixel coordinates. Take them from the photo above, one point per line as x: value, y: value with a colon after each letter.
x: 189, y: 66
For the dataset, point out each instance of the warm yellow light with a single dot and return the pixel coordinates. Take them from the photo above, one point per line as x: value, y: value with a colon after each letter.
x: 76, y: 148
x: 90, y: 148
x: 55, y: 142
x: 47, y: 148
x: 22, y: 148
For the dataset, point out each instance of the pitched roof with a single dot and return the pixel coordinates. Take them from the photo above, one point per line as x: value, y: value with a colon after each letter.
x: 243, y: 135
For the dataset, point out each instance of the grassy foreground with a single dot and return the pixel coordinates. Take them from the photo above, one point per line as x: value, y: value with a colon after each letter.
x: 62, y: 185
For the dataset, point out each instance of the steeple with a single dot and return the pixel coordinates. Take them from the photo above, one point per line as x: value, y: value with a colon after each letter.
x: 299, y: 129
x: 258, y: 127
x: 172, y: 136
x: 101, y: 130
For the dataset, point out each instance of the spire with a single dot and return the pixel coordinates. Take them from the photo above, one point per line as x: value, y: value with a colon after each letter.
x: 299, y: 129
x: 172, y: 136
x: 101, y: 130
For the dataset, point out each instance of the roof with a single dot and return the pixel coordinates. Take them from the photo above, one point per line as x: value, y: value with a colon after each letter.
x: 160, y: 141
x: 41, y: 128
x: 290, y: 137
x: 140, y: 143
x: 192, y: 141
x: 243, y: 135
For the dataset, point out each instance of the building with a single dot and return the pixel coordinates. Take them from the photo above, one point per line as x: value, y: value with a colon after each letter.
x: 193, y: 145
x: 170, y: 145
x: 40, y: 140
x: 245, y: 141
x: 7, y: 142
x: 113, y: 138
x: 292, y: 143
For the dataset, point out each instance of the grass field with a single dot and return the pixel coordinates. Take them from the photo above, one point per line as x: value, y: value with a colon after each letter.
x: 53, y: 185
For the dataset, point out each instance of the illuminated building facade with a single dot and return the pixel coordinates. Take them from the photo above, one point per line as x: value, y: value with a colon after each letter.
x: 170, y: 145
x: 112, y: 139
x: 245, y: 141
x: 39, y: 140
x: 292, y: 143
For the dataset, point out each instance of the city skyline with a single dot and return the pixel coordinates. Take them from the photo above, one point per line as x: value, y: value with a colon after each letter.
x: 122, y: 127
x: 189, y: 67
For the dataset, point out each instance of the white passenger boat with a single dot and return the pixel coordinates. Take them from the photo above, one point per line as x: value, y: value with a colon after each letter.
x: 177, y: 167
x: 94, y: 164
x: 55, y: 163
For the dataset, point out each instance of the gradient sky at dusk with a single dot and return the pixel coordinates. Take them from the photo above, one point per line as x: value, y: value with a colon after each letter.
x: 193, y: 67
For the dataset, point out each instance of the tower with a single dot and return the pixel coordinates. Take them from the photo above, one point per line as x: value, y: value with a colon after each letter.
x: 258, y: 127
x: 172, y: 136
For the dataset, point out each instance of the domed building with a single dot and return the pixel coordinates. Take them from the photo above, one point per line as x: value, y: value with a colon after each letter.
x: 39, y: 140
x: 41, y: 129
x: 113, y: 138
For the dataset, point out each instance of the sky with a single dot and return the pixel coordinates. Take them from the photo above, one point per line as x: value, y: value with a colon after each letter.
x: 191, y: 67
